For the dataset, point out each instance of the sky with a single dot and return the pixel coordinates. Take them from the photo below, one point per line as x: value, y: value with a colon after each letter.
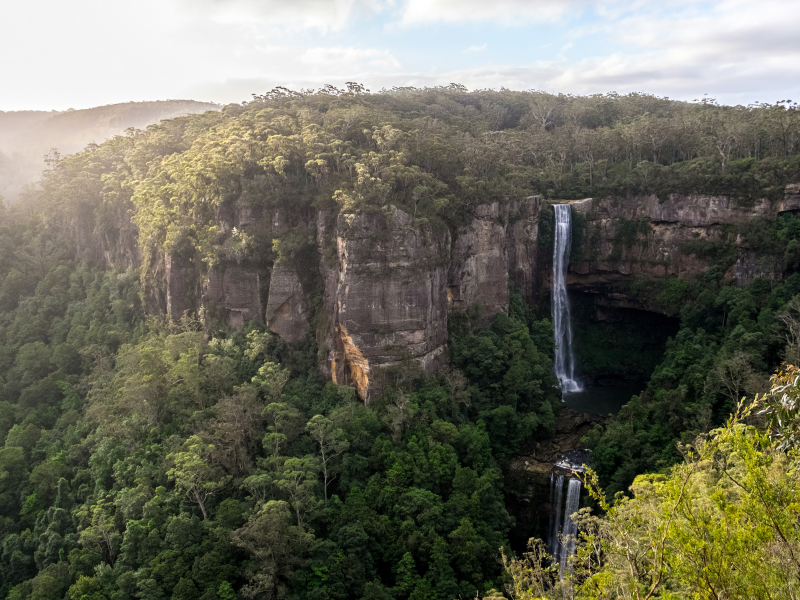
x: 59, y: 54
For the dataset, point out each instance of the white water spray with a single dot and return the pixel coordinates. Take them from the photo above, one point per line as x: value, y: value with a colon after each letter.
x: 562, y: 325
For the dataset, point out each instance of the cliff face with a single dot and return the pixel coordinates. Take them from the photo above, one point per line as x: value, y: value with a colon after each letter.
x: 642, y: 237
x: 388, y: 281
x: 388, y: 292
x: 235, y: 292
x: 390, y: 299
x: 500, y: 243
x: 287, y: 313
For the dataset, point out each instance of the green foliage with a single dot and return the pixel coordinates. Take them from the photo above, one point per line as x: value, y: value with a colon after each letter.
x: 145, y: 459
x: 729, y: 337
x: 513, y: 389
x: 722, y: 519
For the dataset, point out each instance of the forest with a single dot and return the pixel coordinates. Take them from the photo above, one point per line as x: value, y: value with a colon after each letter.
x: 28, y: 137
x: 150, y: 458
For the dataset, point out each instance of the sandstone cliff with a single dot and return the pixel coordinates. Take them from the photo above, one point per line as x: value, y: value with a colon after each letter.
x: 387, y: 281
x: 388, y: 292
x: 287, y: 312
x: 390, y: 297
x: 641, y: 237
x: 498, y: 244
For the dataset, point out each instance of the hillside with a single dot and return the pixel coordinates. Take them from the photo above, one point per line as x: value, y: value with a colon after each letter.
x: 26, y: 137
x: 301, y: 348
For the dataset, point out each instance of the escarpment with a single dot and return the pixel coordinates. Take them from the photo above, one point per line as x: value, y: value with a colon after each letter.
x: 386, y: 282
x: 287, y: 312
x: 642, y: 237
x: 499, y: 243
x: 390, y: 296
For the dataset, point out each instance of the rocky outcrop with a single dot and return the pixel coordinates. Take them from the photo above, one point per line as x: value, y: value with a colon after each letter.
x: 523, y: 245
x: 390, y: 297
x: 570, y: 428
x: 478, y: 273
x: 392, y: 281
x: 528, y: 477
x: 181, y: 296
x: 230, y: 293
x: 287, y: 313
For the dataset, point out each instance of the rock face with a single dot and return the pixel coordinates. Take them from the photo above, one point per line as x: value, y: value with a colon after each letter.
x: 390, y: 297
x: 235, y: 292
x: 230, y: 292
x: 499, y: 243
x: 643, y: 237
x: 181, y: 293
x: 388, y: 281
x: 287, y: 313
x: 527, y: 479
x: 392, y: 283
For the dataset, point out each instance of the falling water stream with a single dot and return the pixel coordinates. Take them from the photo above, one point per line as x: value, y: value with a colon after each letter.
x: 570, y: 529
x: 563, y: 530
x: 556, y: 491
x: 562, y: 327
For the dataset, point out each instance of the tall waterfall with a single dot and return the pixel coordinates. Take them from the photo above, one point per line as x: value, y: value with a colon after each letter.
x: 562, y: 326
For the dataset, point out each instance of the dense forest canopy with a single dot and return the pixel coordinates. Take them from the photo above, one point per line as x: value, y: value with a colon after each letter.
x: 143, y: 458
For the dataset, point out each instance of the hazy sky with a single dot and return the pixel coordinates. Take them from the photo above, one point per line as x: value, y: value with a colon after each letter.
x: 57, y: 54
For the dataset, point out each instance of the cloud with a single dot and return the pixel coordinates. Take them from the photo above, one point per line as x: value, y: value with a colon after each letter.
x: 480, y: 48
x: 224, y: 50
x: 349, y: 59
x: 294, y: 15
x: 506, y: 12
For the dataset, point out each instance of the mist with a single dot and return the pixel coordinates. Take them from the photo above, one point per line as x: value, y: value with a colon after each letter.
x: 28, y: 137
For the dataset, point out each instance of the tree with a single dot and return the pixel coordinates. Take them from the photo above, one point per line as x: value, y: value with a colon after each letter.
x: 298, y: 480
x: 532, y: 575
x: 270, y: 380
x: 100, y: 531
x: 236, y: 427
x: 193, y: 473
x: 332, y: 444
x: 283, y: 420
x: 277, y: 546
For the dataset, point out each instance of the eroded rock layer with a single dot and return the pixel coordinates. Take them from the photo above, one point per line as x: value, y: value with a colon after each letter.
x: 388, y: 281
x: 235, y: 291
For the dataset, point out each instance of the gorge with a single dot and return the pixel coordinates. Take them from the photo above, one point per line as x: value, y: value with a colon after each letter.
x: 305, y: 347
x: 389, y: 283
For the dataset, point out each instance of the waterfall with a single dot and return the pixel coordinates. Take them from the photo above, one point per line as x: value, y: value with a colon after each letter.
x: 556, y: 491
x: 562, y: 527
x: 562, y: 326
x: 570, y: 528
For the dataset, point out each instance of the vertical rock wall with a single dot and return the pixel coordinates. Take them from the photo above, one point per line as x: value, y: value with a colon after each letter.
x: 234, y: 291
x: 640, y: 236
x: 181, y: 294
x: 389, y: 303
x: 478, y: 273
x: 287, y: 313
x: 499, y: 243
